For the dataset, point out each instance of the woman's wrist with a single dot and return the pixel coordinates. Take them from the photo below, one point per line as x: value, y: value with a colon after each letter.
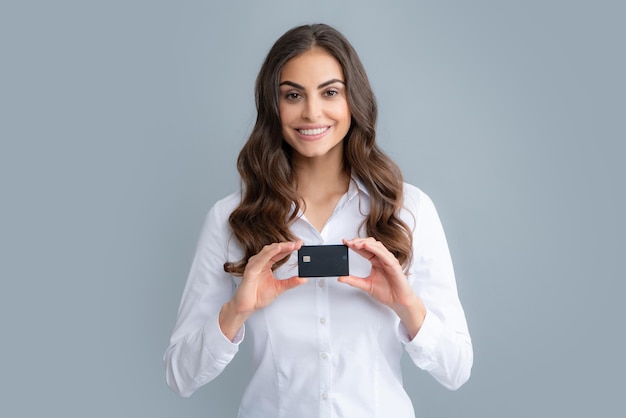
x: 231, y: 319
x: 412, y: 315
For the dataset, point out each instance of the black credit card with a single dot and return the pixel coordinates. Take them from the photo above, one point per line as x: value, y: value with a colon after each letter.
x: 323, y: 261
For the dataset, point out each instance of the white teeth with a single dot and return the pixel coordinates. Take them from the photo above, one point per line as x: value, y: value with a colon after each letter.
x: 316, y: 131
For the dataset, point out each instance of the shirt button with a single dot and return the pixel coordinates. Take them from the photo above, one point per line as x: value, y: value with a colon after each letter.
x: 321, y: 283
x: 322, y: 320
x: 324, y: 395
x: 324, y: 356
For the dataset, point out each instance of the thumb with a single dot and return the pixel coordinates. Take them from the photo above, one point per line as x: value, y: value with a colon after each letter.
x: 356, y: 282
x: 284, y: 285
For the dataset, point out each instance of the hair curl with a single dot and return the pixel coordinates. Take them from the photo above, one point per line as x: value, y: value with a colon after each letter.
x: 267, y: 204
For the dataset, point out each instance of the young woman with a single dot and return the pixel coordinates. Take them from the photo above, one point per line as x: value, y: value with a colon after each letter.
x: 312, y: 174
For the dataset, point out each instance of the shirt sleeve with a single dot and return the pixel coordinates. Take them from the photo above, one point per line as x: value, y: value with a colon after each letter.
x: 443, y: 346
x: 198, y: 351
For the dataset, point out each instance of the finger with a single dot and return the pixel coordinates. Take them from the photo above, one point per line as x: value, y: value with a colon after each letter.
x: 268, y: 256
x: 372, y: 250
x: 271, y: 254
x: 380, y: 258
x: 358, y: 247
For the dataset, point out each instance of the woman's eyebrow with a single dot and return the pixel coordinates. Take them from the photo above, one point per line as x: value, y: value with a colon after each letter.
x: 329, y: 82
x: 321, y: 86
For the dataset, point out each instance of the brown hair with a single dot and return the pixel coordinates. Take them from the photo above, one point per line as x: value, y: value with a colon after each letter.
x: 268, y: 194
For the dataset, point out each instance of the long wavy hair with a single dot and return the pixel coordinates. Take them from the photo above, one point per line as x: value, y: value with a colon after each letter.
x: 269, y: 201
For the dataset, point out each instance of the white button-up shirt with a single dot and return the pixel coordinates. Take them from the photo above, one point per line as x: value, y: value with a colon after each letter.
x: 323, y: 349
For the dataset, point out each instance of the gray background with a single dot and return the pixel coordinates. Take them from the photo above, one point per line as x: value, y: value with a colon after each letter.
x: 120, y: 125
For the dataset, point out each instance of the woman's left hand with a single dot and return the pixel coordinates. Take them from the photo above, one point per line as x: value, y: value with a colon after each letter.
x: 387, y: 283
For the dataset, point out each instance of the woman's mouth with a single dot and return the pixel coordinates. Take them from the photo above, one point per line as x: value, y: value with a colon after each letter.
x: 313, y: 132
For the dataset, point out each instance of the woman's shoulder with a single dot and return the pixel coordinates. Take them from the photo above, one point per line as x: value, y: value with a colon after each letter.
x: 228, y: 203
x: 413, y: 195
x: 416, y: 200
x: 221, y: 209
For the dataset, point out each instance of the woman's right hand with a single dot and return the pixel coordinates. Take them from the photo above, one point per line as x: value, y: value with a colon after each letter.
x: 259, y: 287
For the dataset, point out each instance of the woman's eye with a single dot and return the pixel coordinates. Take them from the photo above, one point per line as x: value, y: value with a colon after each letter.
x: 292, y: 96
x: 331, y: 93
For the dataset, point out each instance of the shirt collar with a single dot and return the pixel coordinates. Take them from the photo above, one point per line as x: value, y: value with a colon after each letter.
x: 356, y: 186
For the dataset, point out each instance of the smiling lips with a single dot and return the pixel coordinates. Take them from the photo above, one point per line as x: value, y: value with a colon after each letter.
x: 313, y: 133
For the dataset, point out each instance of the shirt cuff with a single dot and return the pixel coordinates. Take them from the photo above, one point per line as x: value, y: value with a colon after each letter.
x: 427, y: 338
x: 217, y: 343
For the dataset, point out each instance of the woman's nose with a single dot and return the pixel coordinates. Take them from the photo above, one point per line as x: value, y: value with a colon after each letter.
x: 312, y: 108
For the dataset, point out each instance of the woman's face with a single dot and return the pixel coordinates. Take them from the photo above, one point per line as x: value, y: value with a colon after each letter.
x: 314, y: 111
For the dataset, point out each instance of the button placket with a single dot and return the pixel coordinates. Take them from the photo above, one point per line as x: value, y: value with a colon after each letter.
x: 324, y: 347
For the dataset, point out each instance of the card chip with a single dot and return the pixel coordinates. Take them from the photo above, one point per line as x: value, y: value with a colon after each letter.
x: 306, y: 258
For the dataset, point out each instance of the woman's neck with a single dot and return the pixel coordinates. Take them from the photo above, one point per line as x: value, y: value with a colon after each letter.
x: 317, y: 177
x: 320, y: 184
